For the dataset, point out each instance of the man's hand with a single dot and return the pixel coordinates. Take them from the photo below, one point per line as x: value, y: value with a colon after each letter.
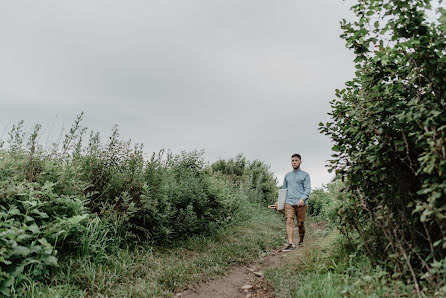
x: 273, y: 206
x: 300, y: 203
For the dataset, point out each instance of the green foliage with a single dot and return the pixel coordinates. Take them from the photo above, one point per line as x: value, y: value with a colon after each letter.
x: 254, y: 177
x: 325, y: 267
x: 33, y: 221
x: 318, y: 199
x: 388, y: 127
x: 166, y: 198
x: 160, y: 271
x: 324, y: 203
x: 85, y: 199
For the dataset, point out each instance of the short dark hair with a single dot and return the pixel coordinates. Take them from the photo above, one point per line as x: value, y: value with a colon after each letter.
x: 296, y: 155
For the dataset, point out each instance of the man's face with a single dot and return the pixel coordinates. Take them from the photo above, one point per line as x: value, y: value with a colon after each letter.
x: 295, y: 162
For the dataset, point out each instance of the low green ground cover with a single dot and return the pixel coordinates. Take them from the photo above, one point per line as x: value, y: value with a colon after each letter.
x: 159, y: 271
x: 326, y: 268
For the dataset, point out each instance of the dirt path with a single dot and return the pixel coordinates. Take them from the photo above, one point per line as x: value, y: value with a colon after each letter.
x: 247, y: 281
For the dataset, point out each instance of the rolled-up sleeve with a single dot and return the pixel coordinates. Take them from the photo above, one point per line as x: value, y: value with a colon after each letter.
x: 284, y: 184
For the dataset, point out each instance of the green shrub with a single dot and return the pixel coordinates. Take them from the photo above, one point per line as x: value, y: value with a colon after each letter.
x: 316, y: 202
x: 87, y: 199
x: 254, y: 177
x: 324, y: 202
x: 389, y: 133
x: 161, y: 200
x: 29, y: 213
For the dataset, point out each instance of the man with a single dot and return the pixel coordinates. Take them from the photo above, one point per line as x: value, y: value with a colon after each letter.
x: 298, y: 186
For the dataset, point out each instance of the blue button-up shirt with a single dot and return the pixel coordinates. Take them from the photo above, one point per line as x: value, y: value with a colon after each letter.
x: 298, y: 187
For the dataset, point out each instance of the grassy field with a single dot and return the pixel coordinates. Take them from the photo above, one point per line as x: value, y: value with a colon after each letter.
x: 160, y: 271
x: 324, y: 268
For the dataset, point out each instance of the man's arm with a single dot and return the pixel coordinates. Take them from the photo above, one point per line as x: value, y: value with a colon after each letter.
x: 284, y: 184
x: 307, y: 188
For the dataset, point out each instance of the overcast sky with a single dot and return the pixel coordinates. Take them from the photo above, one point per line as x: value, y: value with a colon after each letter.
x: 227, y: 76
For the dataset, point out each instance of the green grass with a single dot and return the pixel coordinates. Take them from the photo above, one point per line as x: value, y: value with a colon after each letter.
x: 321, y: 269
x: 324, y: 269
x: 159, y: 271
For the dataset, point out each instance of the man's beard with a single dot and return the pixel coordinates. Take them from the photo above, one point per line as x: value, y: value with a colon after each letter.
x: 296, y: 168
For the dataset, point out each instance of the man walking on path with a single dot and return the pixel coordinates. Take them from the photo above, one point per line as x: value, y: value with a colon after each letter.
x: 298, y: 186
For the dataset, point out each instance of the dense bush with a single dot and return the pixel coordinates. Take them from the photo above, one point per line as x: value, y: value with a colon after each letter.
x: 324, y: 202
x: 317, y: 201
x: 165, y: 198
x: 37, y: 218
x: 84, y: 198
x: 255, y: 177
x: 388, y: 127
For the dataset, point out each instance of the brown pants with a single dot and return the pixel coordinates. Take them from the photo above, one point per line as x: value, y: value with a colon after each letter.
x: 300, y: 212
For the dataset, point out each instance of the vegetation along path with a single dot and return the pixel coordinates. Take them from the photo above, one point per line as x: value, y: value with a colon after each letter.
x: 249, y: 280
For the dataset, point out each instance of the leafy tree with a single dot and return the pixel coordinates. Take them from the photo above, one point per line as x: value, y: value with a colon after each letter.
x: 388, y: 129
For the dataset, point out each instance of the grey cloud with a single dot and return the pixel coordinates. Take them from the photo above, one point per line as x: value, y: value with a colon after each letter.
x: 227, y: 76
